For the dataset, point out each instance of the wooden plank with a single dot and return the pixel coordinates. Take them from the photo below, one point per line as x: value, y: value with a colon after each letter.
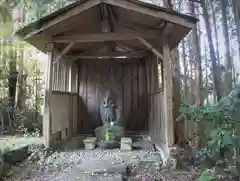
x: 54, y: 77
x: 75, y: 114
x: 82, y: 97
x: 151, y: 12
x: 119, y: 79
x: 78, y: 9
x: 74, y: 77
x: 94, y: 98
x: 100, y: 37
x: 134, y: 90
x: 127, y: 96
x: 155, y: 73
x: 58, y: 76
x: 168, y: 104
x: 47, y: 122
x: 98, y: 78
x: 78, y: 121
x: 150, y: 47
x: 148, y: 93
x: 90, y: 96
x: 142, y: 97
x: 67, y: 65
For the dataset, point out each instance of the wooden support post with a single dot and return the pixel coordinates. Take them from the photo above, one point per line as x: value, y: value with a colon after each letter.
x: 47, y: 122
x: 168, y: 104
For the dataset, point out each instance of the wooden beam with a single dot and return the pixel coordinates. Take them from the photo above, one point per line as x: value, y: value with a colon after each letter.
x: 103, y: 55
x: 150, y: 47
x: 100, y: 37
x: 78, y: 9
x: 157, y: 13
x: 63, y: 52
x: 142, y: 28
x: 167, y: 31
x: 47, y: 122
x: 168, y: 97
x: 128, y: 47
x: 111, y: 60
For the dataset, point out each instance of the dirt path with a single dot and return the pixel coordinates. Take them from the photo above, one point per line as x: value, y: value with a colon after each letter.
x: 98, y: 165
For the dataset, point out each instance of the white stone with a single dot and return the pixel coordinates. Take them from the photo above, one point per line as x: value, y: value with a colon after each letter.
x: 90, y: 143
x: 126, y: 143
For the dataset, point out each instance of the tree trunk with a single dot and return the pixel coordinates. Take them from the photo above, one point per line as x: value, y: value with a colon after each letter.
x: 198, y: 74
x: 215, y: 32
x: 21, y: 91
x: 179, y: 136
x: 12, y: 78
x: 215, y: 72
x: 192, y: 67
x: 228, y: 61
x: 236, y: 14
x: 206, y: 73
x: 185, y: 97
x: 197, y: 61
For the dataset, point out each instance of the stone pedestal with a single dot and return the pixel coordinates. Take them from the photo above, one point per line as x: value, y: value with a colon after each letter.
x: 126, y: 143
x: 90, y: 143
x: 115, y: 132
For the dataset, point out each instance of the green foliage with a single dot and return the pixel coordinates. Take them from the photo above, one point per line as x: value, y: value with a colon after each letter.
x: 219, y: 122
x: 29, y: 128
x: 207, y: 175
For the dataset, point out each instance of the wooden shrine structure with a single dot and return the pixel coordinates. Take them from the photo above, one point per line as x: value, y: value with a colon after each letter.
x: 123, y: 45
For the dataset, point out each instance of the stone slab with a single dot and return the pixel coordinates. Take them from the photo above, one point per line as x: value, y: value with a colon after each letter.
x: 90, y: 143
x: 101, y: 167
x: 126, y: 144
x: 126, y: 140
x: 90, y: 139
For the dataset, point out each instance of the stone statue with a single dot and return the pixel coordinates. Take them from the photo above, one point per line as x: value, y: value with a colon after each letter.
x: 108, y: 109
x: 110, y: 133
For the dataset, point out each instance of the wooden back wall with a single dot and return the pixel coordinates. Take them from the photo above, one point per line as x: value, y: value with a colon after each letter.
x: 129, y: 83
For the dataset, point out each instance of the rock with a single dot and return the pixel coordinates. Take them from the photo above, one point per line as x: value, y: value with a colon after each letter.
x: 16, y: 156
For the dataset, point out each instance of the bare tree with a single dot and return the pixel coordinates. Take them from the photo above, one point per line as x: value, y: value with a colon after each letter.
x: 216, y: 77
x: 227, y: 61
x: 236, y: 14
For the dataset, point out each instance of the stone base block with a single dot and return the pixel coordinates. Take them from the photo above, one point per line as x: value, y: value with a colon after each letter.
x: 90, y: 143
x: 126, y: 143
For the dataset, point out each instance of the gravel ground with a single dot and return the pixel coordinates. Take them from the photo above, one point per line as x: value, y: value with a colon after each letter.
x: 96, y: 165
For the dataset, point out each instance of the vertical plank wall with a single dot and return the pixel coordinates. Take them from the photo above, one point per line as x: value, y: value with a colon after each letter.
x: 156, y: 103
x: 128, y: 82
x: 64, y: 100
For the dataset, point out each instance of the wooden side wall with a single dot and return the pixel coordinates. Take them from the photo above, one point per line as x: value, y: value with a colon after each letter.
x: 156, y: 103
x: 127, y: 80
x: 63, y: 114
x: 65, y: 76
x: 64, y: 100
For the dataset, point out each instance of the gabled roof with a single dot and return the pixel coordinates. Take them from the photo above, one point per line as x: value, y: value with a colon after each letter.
x: 84, y: 14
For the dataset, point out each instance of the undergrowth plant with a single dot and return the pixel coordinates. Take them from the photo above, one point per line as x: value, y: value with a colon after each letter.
x: 219, y: 123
